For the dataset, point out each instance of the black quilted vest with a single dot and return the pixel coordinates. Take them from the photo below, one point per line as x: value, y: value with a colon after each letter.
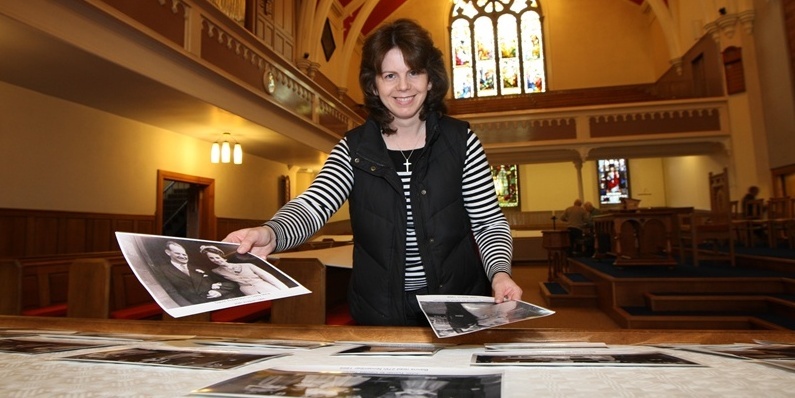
x: 378, y: 218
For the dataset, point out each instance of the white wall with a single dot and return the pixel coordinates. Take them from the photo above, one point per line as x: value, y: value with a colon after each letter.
x: 553, y: 186
x: 58, y: 155
x: 687, y: 180
x: 550, y: 186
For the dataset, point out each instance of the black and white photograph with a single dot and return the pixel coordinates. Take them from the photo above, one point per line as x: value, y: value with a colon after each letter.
x: 596, y: 358
x: 24, y: 345
x: 177, y: 358
x: 550, y: 345
x: 115, y: 337
x: 191, y: 276
x: 748, y: 351
x: 391, y: 349
x: 453, y: 315
x: 283, y: 383
x: 263, y: 343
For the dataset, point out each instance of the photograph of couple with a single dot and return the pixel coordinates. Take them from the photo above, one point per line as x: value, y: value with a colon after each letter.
x: 191, y: 276
x: 454, y: 315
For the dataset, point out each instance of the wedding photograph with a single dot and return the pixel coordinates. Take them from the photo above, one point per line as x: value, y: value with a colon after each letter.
x: 190, y: 276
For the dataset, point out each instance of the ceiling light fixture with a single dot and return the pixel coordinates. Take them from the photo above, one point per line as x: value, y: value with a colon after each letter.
x: 222, y: 150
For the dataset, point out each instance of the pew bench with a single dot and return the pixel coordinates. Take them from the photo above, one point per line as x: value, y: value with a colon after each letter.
x: 38, y: 285
x: 103, y: 285
x: 129, y: 298
x: 113, y: 281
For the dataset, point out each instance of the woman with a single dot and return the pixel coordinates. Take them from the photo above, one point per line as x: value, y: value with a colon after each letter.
x: 422, y: 204
x: 250, y: 278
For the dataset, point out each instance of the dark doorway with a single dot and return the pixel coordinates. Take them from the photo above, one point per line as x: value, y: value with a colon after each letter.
x: 185, y: 206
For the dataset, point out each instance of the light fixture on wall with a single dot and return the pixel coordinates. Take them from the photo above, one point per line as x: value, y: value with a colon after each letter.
x: 224, y: 152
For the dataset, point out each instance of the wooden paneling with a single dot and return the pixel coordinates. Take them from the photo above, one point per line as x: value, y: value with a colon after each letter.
x: 660, y: 123
x: 42, y: 235
x: 43, y: 232
x: 10, y: 277
x: 554, y: 99
x: 529, y: 220
x: 75, y: 235
x: 788, y: 7
x: 12, y: 229
x: 227, y: 225
x: 165, y: 18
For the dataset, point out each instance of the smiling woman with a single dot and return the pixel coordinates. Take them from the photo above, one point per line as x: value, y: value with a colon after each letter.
x: 419, y: 189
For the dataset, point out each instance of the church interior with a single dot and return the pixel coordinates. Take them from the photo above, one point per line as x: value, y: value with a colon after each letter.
x: 195, y: 118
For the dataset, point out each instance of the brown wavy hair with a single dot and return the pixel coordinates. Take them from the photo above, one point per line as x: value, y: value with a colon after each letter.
x: 419, y: 53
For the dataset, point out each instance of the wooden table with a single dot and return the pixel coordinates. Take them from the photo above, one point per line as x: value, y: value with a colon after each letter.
x: 46, y: 375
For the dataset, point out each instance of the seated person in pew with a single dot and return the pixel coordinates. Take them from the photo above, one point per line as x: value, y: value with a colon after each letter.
x: 592, y: 212
x: 590, y: 239
x: 577, y: 220
x: 753, y: 209
x: 424, y: 214
x: 250, y: 278
x: 188, y: 284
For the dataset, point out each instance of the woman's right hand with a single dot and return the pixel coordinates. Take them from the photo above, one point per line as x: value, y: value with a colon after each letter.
x: 260, y: 241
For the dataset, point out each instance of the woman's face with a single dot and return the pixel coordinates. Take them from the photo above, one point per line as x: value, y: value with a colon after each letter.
x: 215, y: 258
x: 402, y: 90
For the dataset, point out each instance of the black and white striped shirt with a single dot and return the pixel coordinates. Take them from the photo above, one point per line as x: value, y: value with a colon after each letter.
x: 303, y: 216
x: 415, y: 272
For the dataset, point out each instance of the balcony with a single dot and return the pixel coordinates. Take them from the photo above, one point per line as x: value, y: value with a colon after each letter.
x: 184, y: 66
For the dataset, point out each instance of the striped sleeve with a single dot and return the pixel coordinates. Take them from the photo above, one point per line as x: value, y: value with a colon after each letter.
x: 303, y: 216
x: 489, y: 225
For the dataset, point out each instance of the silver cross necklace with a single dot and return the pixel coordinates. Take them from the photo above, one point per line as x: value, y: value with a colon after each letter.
x: 407, y: 163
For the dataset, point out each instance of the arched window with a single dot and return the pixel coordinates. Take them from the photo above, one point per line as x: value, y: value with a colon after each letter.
x: 497, y: 48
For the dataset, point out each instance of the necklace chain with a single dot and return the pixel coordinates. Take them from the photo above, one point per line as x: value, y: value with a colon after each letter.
x: 407, y: 163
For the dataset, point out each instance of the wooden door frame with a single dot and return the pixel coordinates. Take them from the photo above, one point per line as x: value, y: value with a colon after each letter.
x: 779, y: 176
x: 207, y: 220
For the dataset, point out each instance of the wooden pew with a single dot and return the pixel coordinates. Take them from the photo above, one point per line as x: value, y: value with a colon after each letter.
x: 307, y: 309
x: 89, y: 288
x: 303, y: 309
x: 107, y: 288
x: 129, y: 299
x: 38, y: 287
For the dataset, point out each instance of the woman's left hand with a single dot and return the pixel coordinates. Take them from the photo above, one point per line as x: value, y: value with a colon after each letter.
x: 505, y: 288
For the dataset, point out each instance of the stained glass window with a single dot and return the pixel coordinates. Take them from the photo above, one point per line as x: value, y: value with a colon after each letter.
x: 506, y: 184
x: 497, y: 48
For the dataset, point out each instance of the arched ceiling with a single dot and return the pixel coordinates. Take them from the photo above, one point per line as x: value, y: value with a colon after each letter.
x: 384, y: 9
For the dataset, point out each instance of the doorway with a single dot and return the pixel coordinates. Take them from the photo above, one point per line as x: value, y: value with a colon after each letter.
x: 185, y: 206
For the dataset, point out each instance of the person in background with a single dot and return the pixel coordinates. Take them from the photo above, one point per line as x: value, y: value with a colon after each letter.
x: 577, y: 220
x: 753, y: 210
x: 591, y: 210
x: 423, y: 209
x: 575, y: 216
x: 250, y: 278
x: 590, y: 233
x: 748, y: 204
